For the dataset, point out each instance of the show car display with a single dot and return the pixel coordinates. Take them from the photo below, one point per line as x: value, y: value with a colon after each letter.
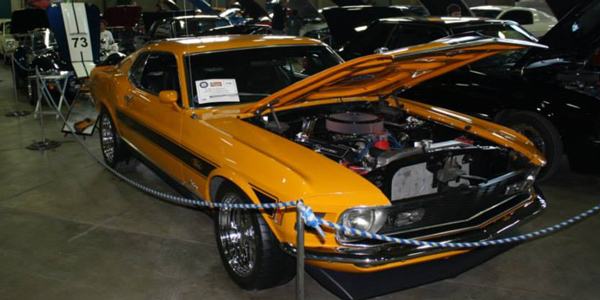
x: 263, y: 119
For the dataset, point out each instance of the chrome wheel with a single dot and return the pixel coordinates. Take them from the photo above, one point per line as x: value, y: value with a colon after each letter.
x: 533, y: 135
x: 107, y: 138
x: 237, y: 236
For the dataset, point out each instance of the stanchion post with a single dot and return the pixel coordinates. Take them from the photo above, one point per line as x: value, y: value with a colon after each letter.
x: 14, y: 77
x: 299, y: 254
x: 37, y: 80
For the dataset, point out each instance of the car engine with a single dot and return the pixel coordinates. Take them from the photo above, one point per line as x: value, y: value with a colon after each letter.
x: 403, y: 155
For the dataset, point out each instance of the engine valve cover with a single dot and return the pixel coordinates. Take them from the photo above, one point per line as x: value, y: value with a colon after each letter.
x: 354, y: 123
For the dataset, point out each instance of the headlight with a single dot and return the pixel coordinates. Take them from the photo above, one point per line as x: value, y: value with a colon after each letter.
x: 10, y: 44
x: 364, y: 219
x: 524, y: 185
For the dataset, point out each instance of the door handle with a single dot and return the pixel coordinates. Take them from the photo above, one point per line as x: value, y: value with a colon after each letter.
x: 128, y: 98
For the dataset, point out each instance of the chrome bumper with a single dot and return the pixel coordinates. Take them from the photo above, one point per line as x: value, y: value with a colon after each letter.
x: 390, y: 253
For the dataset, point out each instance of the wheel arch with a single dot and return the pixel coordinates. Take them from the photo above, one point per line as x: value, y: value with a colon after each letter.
x: 223, y: 177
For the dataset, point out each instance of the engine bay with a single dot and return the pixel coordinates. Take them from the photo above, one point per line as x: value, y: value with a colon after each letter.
x: 401, y: 154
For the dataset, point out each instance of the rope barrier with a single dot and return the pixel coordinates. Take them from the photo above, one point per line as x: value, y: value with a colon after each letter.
x: 311, y: 220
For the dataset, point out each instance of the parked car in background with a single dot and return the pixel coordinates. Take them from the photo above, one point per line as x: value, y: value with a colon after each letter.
x: 264, y: 119
x: 346, y: 22
x: 234, y: 15
x: 8, y: 43
x: 184, y: 26
x: 549, y: 95
x: 535, y: 21
x: 37, y: 50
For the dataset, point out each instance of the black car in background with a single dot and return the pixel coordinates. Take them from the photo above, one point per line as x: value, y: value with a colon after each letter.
x: 345, y: 23
x: 552, y: 96
x: 37, y: 49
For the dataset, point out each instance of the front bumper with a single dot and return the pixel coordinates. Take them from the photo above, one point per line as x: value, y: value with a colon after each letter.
x: 397, y: 267
x: 394, y: 255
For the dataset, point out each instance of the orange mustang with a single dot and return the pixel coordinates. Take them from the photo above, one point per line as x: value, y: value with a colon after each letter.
x: 262, y: 119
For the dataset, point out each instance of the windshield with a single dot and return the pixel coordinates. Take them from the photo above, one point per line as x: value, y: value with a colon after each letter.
x: 193, y: 27
x: 248, y: 75
x: 504, y: 31
x: 486, y: 13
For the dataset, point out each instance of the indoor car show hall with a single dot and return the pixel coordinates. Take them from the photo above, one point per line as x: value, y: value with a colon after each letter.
x: 402, y: 159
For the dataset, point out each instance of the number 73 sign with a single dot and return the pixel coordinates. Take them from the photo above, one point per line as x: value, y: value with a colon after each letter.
x: 78, y: 35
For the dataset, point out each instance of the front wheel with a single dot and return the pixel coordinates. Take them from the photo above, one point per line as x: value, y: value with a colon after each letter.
x: 113, y: 148
x: 248, y: 249
x: 542, y: 133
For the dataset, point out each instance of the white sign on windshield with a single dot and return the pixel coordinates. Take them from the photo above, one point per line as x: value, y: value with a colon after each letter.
x: 216, y: 91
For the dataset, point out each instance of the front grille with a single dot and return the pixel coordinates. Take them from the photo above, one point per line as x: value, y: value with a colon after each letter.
x: 456, y: 208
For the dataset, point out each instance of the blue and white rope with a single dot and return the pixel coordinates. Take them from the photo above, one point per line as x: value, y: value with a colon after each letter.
x: 317, y: 222
x: 311, y: 220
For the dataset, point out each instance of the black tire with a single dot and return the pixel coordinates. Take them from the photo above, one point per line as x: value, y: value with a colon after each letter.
x: 542, y: 133
x: 265, y: 267
x: 113, y: 148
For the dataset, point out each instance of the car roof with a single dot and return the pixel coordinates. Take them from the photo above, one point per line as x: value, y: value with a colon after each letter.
x: 180, y: 46
x: 447, y: 22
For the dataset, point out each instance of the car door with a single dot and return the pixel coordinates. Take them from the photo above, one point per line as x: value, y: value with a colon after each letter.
x: 153, y: 127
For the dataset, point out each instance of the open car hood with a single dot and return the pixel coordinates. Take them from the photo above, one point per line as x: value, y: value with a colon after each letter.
x: 387, y: 74
x: 23, y: 21
x: 122, y: 16
x: 576, y: 34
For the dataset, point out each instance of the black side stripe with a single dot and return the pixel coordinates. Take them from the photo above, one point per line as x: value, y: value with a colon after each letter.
x: 199, y: 164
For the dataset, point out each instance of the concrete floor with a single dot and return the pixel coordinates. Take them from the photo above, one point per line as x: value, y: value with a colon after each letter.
x: 71, y: 230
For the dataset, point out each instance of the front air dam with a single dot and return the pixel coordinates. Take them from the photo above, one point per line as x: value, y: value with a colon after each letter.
x: 368, y: 285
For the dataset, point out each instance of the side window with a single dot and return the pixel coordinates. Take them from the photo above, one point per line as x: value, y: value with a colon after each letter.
x: 7, y: 27
x: 414, y: 35
x: 135, y: 72
x: 160, y: 73
x: 522, y: 17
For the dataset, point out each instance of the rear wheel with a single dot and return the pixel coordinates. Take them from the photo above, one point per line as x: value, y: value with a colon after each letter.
x: 248, y: 249
x: 542, y: 134
x: 113, y: 148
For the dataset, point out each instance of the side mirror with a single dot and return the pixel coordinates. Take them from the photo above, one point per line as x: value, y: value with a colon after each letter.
x: 169, y: 97
x: 381, y: 50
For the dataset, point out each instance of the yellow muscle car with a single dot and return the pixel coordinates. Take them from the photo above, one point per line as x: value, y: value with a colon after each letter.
x: 263, y: 119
